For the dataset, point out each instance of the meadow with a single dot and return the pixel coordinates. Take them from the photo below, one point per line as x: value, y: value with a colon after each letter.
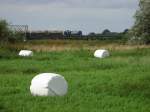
x: 119, y: 83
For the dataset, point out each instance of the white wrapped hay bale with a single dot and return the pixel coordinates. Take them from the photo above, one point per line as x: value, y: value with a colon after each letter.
x: 48, y: 84
x: 102, y: 53
x: 25, y: 53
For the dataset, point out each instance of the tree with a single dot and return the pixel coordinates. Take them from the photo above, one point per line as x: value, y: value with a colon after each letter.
x: 125, y: 31
x: 4, y: 31
x: 7, y: 35
x: 106, y: 31
x: 141, y: 30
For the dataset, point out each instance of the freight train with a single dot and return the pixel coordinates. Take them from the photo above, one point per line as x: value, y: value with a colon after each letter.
x: 68, y: 34
x: 54, y: 34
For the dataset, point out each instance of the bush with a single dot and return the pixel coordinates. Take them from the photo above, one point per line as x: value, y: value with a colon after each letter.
x: 7, y: 35
x: 4, y: 31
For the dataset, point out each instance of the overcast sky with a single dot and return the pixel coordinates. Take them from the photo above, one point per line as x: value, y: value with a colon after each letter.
x: 85, y: 15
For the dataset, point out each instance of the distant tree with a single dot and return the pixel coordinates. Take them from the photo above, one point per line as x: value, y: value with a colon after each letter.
x: 67, y: 33
x: 106, y: 31
x: 7, y: 35
x: 92, y: 34
x: 125, y: 31
x: 4, y: 31
x: 141, y: 29
x: 80, y: 33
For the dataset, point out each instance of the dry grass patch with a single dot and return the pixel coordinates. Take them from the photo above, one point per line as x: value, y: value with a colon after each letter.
x: 63, y: 45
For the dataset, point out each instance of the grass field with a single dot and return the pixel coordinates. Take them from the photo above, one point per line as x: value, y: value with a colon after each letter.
x: 119, y: 83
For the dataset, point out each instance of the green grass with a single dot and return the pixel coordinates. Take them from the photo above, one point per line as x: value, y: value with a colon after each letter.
x: 119, y: 83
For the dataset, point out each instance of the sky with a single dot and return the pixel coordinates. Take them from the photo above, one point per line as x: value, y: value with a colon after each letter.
x: 85, y: 15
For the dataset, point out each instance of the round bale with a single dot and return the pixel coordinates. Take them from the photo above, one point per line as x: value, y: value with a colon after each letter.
x: 102, y: 53
x: 25, y: 53
x: 48, y: 84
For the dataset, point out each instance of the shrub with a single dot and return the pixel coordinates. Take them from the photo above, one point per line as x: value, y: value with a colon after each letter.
x: 7, y: 35
x: 4, y: 31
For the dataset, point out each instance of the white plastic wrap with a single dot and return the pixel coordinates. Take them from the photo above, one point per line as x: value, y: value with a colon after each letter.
x: 101, y: 53
x: 48, y: 84
x: 25, y: 53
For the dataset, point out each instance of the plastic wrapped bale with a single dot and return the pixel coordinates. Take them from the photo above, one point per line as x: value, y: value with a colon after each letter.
x: 101, y: 53
x: 48, y: 84
x: 25, y: 53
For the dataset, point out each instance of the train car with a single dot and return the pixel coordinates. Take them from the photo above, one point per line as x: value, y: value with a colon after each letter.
x: 76, y: 33
x: 72, y: 34
x: 45, y: 35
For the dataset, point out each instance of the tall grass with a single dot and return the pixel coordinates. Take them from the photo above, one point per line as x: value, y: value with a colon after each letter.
x: 69, y: 45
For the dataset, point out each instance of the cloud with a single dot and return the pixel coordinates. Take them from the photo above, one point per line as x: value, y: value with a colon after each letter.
x: 78, y: 3
x: 86, y: 15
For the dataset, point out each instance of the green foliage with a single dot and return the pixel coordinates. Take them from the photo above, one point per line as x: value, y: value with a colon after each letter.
x: 119, y: 83
x: 140, y: 32
x: 7, y: 35
x: 4, y: 31
x: 106, y: 31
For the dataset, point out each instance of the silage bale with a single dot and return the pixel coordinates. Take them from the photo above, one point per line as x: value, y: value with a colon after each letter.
x: 48, y: 84
x: 25, y: 53
x: 102, y: 53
